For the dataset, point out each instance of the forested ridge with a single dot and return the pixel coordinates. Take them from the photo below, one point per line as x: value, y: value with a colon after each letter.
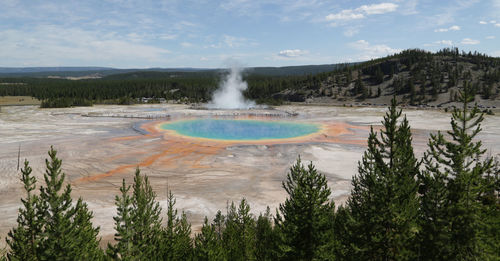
x: 445, y: 206
x: 414, y: 76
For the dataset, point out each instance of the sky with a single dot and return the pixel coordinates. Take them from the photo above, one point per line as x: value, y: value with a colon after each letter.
x: 212, y: 34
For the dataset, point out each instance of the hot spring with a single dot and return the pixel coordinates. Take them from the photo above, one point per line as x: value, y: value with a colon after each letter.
x: 240, y: 130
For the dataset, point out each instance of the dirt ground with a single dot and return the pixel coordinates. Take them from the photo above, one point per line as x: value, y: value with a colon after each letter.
x: 101, y: 145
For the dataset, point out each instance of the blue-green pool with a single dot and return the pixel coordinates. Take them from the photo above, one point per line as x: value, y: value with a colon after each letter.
x: 221, y: 129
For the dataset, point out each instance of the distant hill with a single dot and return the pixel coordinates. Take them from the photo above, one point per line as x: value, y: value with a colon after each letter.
x: 67, y: 72
x: 416, y: 77
x: 7, y: 70
x: 114, y: 73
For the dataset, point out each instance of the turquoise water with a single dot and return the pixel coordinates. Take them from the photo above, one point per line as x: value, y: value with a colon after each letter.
x: 240, y: 129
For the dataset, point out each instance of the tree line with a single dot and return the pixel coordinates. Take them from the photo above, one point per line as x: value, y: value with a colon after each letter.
x: 187, y: 87
x: 444, y: 206
x: 418, y: 75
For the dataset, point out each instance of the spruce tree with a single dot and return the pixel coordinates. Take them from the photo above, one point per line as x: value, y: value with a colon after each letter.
x: 452, y: 187
x: 380, y: 219
x: 304, y: 218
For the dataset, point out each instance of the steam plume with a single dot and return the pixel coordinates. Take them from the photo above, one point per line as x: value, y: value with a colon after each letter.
x: 230, y: 92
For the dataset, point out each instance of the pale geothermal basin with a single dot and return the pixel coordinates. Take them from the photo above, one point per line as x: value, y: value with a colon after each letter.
x: 98, y: 152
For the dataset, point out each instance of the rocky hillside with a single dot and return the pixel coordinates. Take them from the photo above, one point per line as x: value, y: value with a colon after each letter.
x: 416, y: 77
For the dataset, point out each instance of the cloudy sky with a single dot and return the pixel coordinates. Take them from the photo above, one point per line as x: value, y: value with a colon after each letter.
x: 203, y: 33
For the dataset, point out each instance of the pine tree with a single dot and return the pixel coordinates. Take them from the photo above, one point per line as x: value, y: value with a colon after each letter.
x: 490, y: 199
x: 380, y: 219
x: 124, y: 249
x: 451, y: 188
x: 344, y: 235
x: 24, y: 239
x: 208, y: 247
x: 146, y: 220
x: 138, y: 222
x: 379, y: 75
x: 63, y: 234
x: 50, y: 227
x: 305, y: 216
x: 411, y: 88
x: 176, y: 241
x: 266, y: 238
x: 87, y: 245
x: 239, y: 232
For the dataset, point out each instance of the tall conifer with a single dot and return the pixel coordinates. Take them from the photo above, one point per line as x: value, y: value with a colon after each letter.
x: 49, y: 226
x: 176, y: 240
x: 266, y: 238
x: 24, y: 239
x: 380, y: 218
x: 305, y: 216
x: 138, y: 222
x: 452, y: 186
x: 239, y: 233
x: 208, y: 247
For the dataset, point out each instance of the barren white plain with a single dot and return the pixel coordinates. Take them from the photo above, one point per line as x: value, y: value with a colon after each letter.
x: 203, y: 181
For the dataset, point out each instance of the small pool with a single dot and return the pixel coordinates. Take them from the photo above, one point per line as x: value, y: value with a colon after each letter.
x: 221, y: 129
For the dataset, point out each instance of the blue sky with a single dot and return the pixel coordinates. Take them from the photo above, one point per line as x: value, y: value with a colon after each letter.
x: 209, y: 34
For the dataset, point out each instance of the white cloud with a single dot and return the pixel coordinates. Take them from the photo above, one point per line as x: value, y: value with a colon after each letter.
x: 292, y: 53
x: 231, y: 42
x: 56, y: 46
x: 381, y: 8
x: 345, y: 15
x: 493, y: 22
x: 361, y: 12
x: 451, y: 28
x: 444, y: 42
x: 490, y: 37
x: 369, y: 51
x: 469, y: 41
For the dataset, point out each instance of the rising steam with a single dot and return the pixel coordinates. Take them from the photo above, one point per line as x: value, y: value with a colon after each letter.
x: 230, y: 92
